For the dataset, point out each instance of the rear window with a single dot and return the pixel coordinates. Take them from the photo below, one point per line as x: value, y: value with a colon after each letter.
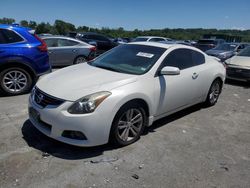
x: 207, y: 42
x: 8, y: 36
x: 245, y: 52
x: 140, y: 39
x: 226, y: 47
x: 65, y: 42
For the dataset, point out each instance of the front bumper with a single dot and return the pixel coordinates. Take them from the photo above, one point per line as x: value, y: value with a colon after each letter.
x: 53, y: 121
x: 236, y: 73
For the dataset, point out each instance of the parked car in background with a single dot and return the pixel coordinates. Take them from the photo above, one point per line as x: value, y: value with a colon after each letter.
x: 150, y: 39
x: 23, y: 58
x: 121, y: 40
x: 120, y: 92
x: 68, y: 51
x: 238, y: 67
x: 102, y: 42
x: 176, y: 42
x: 226, y: 50
x: 206, y: 44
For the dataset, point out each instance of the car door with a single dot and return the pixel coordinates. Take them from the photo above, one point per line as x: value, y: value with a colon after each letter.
x: 61, y: 51
x: 67, y: 51
x: 52, y: 44
x: 177, y: 91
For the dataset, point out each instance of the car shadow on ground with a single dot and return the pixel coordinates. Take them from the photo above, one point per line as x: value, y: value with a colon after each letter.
x: 49, y: 146
x: 245, y: 85
x: 168, y: 119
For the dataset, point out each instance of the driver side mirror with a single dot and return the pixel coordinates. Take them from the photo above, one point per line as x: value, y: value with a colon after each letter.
x: 170, y: 71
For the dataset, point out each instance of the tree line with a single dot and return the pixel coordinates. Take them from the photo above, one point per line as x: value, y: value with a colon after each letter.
x: 61, y: 27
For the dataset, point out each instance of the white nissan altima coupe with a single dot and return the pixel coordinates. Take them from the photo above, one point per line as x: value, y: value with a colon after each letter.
x: 116, y: 95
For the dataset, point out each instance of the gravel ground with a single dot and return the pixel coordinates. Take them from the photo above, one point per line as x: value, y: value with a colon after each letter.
x: 197, y: 147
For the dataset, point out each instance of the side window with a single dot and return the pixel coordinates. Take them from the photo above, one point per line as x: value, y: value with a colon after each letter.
x: 51, y: 42
x: 101, y: 38
x: 156, y: 39
x: 91, y: 37
x: 198, y: 58
x: 2, y: 39
x: 9, y: 36
x: 181, y: 58
x: 65, y: 42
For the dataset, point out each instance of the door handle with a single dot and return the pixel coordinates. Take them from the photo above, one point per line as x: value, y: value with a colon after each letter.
x: 74, y: 50
x: 50, y: 52
x: 195, y: 75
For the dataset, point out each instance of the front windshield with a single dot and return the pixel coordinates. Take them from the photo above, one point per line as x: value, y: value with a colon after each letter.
x: 129, y: 58
x: 226, y: 47
x: 140, y: 39
x: 245, y: 52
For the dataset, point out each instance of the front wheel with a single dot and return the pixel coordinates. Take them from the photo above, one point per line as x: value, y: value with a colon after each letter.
x: 15, y: 81
x: 214, y: 93
x: 80, y: 59
x: 128, y: 124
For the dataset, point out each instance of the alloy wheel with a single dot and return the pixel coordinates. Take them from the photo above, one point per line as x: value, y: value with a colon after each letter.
x: 130, y: 124
x: 15, y: 81
x: 80, y: 60
x: 214, y: 92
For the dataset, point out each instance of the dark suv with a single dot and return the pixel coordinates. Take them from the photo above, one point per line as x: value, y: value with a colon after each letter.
x: 207, y: 44
x: 102, y: 42
x: 23, y: 57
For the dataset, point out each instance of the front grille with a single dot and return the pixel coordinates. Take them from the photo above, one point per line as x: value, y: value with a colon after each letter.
x: 42, y: 99
x: 238, y: 73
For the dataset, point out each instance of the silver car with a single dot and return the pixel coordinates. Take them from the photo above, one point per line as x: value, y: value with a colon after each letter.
x: 68, y: 51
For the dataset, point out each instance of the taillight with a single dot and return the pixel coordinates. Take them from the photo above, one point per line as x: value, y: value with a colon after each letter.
x: 93, y: 49
x: 43, y: 46
x: 92, y: 53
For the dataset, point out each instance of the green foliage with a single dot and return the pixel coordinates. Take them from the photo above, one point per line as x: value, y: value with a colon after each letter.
x: 32, y: 24
x: 24, y: 23
x: 62, y: 28
x: 7, y: 21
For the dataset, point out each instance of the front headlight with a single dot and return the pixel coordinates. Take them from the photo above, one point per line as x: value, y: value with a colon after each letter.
x: 222, y: 55
x: 88, y: 103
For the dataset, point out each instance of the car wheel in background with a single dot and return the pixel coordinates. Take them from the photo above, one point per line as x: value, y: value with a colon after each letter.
x: 214, y: 93
x: 80, y: 59
x: 14, y: 81
x: 128, y: 124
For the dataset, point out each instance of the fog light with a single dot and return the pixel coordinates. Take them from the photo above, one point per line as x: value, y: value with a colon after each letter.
x: 77, y: 135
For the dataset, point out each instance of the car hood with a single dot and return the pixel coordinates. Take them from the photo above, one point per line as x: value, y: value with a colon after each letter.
x: 239, y: 61
x: 216, y: 52
x: 77, y: 81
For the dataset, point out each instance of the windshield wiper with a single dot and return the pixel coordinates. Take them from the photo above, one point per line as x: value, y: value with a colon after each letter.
x: 107, y: 68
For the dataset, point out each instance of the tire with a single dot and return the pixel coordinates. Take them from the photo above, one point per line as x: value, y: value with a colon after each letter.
x: 15, y: 81
x: 214, y: 93
x: 80, y: 59
x: 122, y: 124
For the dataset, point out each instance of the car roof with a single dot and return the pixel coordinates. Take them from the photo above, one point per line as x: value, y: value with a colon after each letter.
x: 149, y: 37
x: 13, y: 26
x: 61, y: 37
x: 163, y: 45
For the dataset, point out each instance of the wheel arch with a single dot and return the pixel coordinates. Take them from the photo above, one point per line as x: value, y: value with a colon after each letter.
x: 80, y: 55
x: 18, y: 65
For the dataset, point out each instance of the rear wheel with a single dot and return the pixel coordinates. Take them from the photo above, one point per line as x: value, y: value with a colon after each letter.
x: 128, y: 124
x: 14, y: 81
x: 214, y: 93
x: 80, y: 59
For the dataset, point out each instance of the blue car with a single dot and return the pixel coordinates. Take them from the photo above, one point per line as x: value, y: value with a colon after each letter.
x: 23, y: 58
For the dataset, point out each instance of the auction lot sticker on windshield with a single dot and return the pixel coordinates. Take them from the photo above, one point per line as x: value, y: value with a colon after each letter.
x: 143, y: 54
